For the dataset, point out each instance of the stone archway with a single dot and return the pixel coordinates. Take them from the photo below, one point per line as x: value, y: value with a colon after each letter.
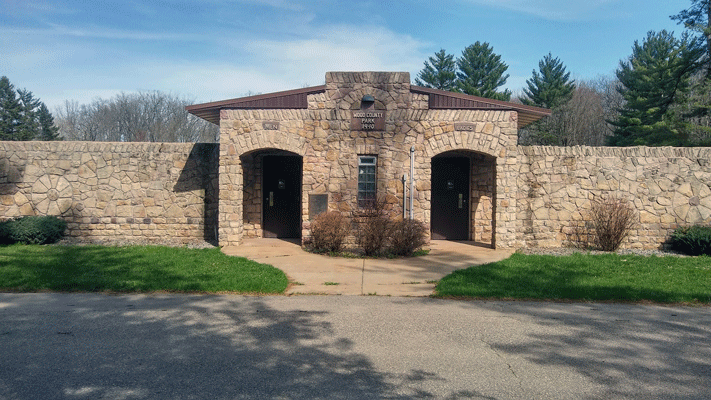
x: 463, y: 205
x: 271, y: 193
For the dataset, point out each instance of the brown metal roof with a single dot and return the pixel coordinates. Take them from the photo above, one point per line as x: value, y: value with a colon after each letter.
x: 444, y: 100
x: 438, y: 99
x: 288, y: 99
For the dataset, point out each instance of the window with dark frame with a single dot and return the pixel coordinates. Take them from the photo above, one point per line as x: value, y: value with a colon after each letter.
x: 366, y: 181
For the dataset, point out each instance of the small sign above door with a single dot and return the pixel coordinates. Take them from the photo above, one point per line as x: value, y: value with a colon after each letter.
x: 465, y: 126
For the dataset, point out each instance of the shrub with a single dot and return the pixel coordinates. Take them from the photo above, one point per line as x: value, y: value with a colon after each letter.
x: 694, y: 240
x: 328, y: 232
x: 5, y: 232
x: 612, y: 220
x: 373, y: 228
x: 33, y: 230
x: 407, y: 236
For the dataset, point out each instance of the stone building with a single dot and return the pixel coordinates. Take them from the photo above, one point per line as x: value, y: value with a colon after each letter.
x: 450, y: 160
x: 447, y: 159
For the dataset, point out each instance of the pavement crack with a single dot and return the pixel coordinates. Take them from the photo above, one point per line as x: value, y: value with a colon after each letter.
x: 510, y: 368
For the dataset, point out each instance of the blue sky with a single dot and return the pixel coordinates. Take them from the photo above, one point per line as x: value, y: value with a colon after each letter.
x: 213, y: 50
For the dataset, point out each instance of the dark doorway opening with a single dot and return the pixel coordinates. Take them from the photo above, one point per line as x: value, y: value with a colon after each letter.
x: 281, y: 206
x: 450, y: 198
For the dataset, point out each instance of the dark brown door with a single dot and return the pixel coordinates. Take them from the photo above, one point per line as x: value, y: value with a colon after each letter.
x: 282, y: 196
x: 450, y: 198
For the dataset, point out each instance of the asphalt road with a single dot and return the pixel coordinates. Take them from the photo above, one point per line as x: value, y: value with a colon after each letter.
x: 92, y: 346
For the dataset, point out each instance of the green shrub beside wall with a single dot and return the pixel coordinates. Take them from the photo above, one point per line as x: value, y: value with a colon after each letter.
x: 32, y: 230
x: 694, y: 240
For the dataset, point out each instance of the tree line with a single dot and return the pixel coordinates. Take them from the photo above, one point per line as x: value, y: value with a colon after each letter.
x: 659, y: 96
x: 134, y: 117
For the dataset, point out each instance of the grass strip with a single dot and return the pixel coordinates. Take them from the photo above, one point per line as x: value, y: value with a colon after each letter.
x: 604, y: 277
x: 133, y: 269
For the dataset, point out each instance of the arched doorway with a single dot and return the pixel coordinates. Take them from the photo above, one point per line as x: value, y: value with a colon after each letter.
x: 272, y: 194
x: 463, y: 196
x: 450, y: 197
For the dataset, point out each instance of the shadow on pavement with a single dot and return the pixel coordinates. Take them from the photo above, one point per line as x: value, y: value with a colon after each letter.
x: 635, y: 352
x: 152, y: 347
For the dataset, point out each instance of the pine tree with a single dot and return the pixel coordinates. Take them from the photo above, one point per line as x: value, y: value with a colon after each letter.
x: 22, y: 116
x: 653, y: 79
x: 440, y: 72
x: 10, y: 110
x: 481, y: 72
x: 29, y: 125
x: 697, y: 18
x: 549, y: 87
x: 47, y: 129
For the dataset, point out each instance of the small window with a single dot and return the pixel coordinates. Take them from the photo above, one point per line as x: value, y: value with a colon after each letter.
x: 366, y: 181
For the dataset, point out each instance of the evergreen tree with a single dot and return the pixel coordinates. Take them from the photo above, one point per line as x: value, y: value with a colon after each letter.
x: 549, y: 87
x: 653, y: 79
x: 697, y: 18
x: 22, y: 116
x: 10, y: 110
x: 440, y: 72
x: 47, y: 129
x: 29, y: 124
x: 481, y: 72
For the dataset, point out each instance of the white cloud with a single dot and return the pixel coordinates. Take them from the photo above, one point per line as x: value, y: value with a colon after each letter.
x: 557, y: 10
x: 274, y: 65
x: 98, y: 32
x: 338, y: 48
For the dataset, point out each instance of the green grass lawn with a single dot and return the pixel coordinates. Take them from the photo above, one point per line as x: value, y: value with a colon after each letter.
x: 585, y: 277
x: 133, y: 269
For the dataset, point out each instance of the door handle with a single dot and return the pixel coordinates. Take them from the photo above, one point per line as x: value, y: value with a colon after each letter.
x: 271, y: 199
x: 461, y: 200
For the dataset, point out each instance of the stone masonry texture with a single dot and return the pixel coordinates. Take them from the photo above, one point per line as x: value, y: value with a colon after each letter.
x: 668, y: 187
x: 114, y: 192
x: 329, y: 148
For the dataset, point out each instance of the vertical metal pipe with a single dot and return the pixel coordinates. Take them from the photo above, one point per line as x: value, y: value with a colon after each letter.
x: 404, y: 196
x: 412, y: 182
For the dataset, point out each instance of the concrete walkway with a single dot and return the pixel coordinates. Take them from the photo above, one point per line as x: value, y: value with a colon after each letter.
x: 319, y: 274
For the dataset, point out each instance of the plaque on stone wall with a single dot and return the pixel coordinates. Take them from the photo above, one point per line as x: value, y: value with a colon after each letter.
x: 465, y: 126
x: 368, y: 120
x: 270, y: 125
x: 318, y: 204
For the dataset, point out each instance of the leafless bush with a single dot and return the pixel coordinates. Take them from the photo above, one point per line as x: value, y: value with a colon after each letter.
x: 581, y: 234
x: 408, y: 235
x: 328, y: 232
x: 612, y: 219
x: 372, y: 227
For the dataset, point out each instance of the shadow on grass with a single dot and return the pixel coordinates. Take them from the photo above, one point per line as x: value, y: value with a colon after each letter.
x: 132, y: 269
x: 187, y: 347
x: 581, y: 277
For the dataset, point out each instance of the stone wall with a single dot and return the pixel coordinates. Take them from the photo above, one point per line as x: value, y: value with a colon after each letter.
x: 114, y: 192
x: 669, y: 187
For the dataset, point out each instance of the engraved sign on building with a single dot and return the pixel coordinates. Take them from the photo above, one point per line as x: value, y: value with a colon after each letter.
x: 270, y: 125
x: 465, y: 126
x: 368, y: 120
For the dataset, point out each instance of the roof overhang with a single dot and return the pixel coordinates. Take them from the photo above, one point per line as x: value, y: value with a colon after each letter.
x: 444, y: 100
x: 287, y: 99
x: 298, y: 98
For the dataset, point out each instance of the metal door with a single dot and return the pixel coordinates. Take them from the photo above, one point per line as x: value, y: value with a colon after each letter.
x: 450, y: 198
x: 281, y: 208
